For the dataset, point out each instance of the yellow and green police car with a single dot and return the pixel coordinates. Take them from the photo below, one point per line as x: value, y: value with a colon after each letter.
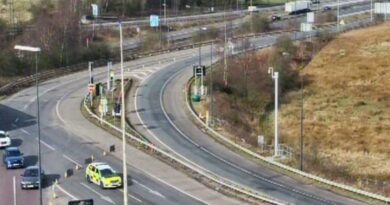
x: 103, y: 175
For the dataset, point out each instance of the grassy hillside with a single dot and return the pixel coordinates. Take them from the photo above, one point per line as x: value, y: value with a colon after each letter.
x: 347, y: 110
x: 21, y: 10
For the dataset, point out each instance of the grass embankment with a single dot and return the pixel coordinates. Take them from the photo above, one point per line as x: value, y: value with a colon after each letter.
x: 346, y: 106
x: 347, y: 110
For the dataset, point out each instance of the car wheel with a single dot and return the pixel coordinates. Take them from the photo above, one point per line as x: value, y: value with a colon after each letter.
x: 88, y: 179
x: 101, y: 185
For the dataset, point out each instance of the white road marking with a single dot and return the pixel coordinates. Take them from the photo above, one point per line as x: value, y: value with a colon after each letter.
x: 14, y: 181
x: 106, y: 198
x: 67, y: 193
x: 149, y: 189
x: 46, y: 91
x: 25, y: 131
x: 131, y: 196
x: 173, y: 151
x: 138, y: 77
x: 47, y: 145
x: 58, y: 110
x: 70, y: 159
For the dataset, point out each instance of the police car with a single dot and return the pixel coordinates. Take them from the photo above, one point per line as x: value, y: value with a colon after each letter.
x: 103, y: 175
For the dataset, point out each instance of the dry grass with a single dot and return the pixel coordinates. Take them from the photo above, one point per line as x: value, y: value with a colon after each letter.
x: 347, y: 106
x: 21, y: 10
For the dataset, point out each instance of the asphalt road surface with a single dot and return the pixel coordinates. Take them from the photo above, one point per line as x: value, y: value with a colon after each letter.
x: 63, y: 149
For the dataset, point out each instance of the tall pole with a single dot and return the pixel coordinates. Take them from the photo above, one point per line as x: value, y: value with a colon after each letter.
x: 301, y: 164
x: 211, y: 122
x: 165, y: 12
x: 275, y: 76
x: 338, y: 15
x: 39, y: 131
x: 372, y: 17
x: 123, y: 110
x: 90, y: 81
x: 225, y: 55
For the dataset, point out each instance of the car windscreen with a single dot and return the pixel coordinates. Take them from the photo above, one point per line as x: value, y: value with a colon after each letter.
x: 2, y: 135
x: 13, y: 153
x: 106, y: 172
x: 31, y: 173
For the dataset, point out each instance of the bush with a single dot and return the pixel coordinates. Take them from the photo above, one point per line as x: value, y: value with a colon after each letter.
x: 325, y: 36
x: 210, y: 34
x: 260, y: 24
x: 151, y: 41
x: 256, y: 24
x: 284, y: 44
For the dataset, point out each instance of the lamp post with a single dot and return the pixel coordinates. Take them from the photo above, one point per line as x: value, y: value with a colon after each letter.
x: 200, y: 58
x: 123, y: 110
x: 338, y: 15
x: 211, y: 121
x: 36, y: 50
x: 301, y: 157
x: 275, y: 76
x: 165, y: 12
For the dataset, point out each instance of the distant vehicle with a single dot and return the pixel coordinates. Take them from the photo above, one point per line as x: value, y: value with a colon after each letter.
x: 5, y: 141
x: 327, y: 8
x: 13, y: 158
x: 103, y: 175
x: 253, y: 9
x: 30, y: 178
x: 276, y: 18
x: 315, y: 1
x: 297, y: 7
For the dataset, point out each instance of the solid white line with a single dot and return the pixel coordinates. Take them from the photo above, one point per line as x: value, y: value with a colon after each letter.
x: 14, y: 181
x: 67, y: 193
x: 25, y: 131
x: 106, y: 198
x: 48, y: 90
x: 131, y: 196
x: 70, y: 159
x: 47, y: 145
x: 89, y: 188
x: 149, y: 189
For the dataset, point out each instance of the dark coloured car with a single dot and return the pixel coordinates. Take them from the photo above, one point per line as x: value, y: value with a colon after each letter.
x: 327, y: 8
x: 13, y: 158
x: 30, y: 178
x: 276, y: 18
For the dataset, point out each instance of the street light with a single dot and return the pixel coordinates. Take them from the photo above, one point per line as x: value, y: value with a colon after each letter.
x: 201, y: 29
x: 123, y: 110
x: 275, y: 76
x: 338, y: 15
x: 36, y: 50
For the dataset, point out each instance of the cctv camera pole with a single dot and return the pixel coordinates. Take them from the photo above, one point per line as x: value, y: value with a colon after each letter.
x: 275, y: 76
x: 123, y: 110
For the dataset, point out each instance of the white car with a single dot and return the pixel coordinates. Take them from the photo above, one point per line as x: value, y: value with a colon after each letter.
x: 5, y: 141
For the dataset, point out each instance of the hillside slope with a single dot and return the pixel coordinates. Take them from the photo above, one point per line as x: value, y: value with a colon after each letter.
x: 347, y: 110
